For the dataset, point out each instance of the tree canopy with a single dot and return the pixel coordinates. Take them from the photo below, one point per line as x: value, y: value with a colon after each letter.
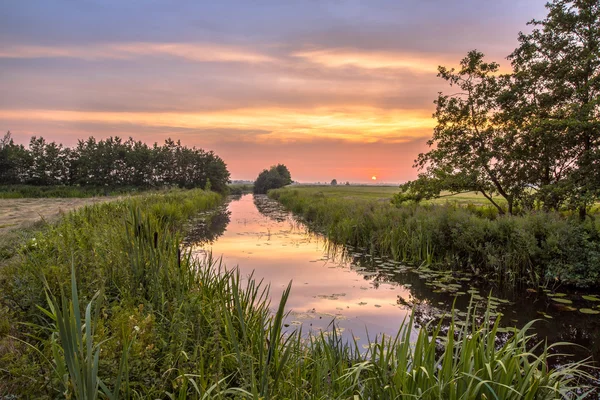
x: 530, y: 136
x: 275, y: 177
x: 111, y: 162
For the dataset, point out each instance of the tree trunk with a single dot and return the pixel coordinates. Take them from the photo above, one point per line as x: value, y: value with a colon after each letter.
x: 582, y: 212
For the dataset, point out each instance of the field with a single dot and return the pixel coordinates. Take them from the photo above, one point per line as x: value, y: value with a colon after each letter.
x: 20, y: 213
x: 376, y: 192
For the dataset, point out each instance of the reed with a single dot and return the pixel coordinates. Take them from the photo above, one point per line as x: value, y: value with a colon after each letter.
x: 159, y: 323
x: 533, y: 249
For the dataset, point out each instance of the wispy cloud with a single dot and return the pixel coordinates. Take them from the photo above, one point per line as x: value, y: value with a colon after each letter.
x: 200, y: 52
x: 344, y: 57
x: 355, y: 124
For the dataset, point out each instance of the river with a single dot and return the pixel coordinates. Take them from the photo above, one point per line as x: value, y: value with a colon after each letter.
x: 366, y: 296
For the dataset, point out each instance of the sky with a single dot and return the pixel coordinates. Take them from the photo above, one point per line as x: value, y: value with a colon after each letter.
x: 338, y: 89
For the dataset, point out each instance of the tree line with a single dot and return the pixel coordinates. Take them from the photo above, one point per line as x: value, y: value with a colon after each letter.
x: 111, y: 162
x: 531, y: 136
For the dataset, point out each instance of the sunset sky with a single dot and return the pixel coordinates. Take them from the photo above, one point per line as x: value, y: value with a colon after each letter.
x: 332, y: 88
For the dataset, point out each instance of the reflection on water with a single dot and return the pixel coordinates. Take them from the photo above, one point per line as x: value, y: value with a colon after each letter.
x: 366, y: 293
x: 208, y: 226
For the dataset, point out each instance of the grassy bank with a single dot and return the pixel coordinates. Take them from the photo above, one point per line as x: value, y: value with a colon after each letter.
x: 535, y: 248
x: 105, y: 304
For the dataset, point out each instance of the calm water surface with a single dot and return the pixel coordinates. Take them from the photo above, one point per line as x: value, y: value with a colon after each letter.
x: 364, y: 293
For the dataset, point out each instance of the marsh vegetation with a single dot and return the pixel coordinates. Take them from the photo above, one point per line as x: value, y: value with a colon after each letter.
x: 107, y: 303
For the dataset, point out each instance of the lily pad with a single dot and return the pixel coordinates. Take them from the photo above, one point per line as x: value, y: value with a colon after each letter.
x: 588, y: 311
x: 562, y: 307
x: 590, y: 298
x: 556, y: 294
x: 563, y: 301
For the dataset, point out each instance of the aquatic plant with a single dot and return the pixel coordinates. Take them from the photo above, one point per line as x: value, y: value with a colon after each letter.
x: 174, y: 326
x: 535, y: 248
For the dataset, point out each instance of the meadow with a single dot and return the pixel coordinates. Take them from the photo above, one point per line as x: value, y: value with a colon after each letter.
x: 106, y: 303
x: 380, y: 192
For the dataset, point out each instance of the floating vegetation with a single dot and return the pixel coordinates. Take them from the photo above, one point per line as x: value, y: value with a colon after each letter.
x: 588, y: 311
x: 563, y: 301
x: 590, y: 298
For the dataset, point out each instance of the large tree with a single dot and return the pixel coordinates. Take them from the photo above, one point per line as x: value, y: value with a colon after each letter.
x: 471, y: 150
x: 555, y: 102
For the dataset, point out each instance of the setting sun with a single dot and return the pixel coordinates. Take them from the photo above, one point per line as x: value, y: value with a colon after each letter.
x: 374, y: 177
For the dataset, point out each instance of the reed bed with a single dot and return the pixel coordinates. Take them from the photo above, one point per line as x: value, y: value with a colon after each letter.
x: 106, y: 304
x: 535, y: 248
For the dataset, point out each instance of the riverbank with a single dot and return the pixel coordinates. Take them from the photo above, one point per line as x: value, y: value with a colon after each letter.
x: 536, y: 249
x: 163, y: 324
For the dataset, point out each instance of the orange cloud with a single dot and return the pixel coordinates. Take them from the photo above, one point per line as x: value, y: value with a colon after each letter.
x: 353, y: 124
x: 373, y: 59
x: 190, y: 51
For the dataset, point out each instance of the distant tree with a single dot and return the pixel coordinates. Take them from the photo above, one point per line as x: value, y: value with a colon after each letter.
x: 334, y: 182
x: 111, y: 162
x: 347, y: 183
x: 275, y: 177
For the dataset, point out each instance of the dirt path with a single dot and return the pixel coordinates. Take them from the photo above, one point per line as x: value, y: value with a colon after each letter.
x: 16, y: 213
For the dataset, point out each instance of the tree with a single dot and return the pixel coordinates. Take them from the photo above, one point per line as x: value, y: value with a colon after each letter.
x: 334, y: 182
x: 275, y: 177
x: 555, y: 100
x: 14, y: 161
x: 111, y: 162
x: 471, y: 150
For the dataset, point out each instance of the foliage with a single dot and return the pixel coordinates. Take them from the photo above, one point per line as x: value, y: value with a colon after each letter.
x: 110, y: 163
x: 334, y: 182
x: 471, y: 152
x: 171, y: 326
x: 532, y: 136
x: 554, y: 102
x: 275, y: 177
x: 238, y: 189
x: 536, y: 248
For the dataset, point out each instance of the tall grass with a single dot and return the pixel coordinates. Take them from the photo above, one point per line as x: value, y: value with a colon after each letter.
x: 172, y: 326
x: 535, y: 248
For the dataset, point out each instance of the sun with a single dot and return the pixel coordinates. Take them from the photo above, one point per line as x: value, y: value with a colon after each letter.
x: 374, y: 177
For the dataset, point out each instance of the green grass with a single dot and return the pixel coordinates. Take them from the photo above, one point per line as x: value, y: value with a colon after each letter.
x: 535, y: 249
x: 351, y: 191
x: 375, y: 192
x: 106, y: 304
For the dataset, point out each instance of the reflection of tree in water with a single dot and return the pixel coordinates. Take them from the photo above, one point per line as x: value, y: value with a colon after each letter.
x: 208, y: 227
x: 270, y: 208
x: 428, y: 304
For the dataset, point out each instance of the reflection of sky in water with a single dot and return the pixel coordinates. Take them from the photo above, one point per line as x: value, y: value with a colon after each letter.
x: 364, y: 291
x: 321, y: 288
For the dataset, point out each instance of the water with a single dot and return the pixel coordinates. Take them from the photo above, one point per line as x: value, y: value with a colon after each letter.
x: 368, y: 295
